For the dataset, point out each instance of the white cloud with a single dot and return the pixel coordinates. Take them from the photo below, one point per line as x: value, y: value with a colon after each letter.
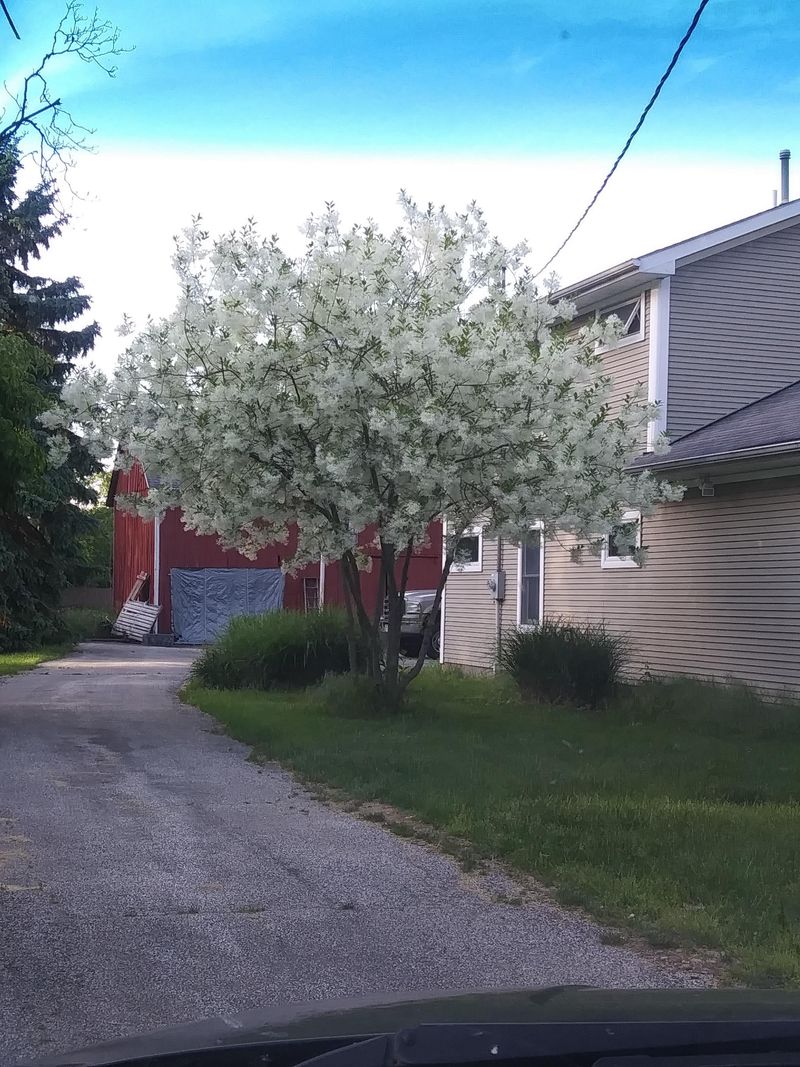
x: 120, y: 241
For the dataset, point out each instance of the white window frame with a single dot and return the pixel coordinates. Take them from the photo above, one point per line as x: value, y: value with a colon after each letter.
x: 612, y: 563
x: 531, y: 625
x: 473, y: 566
x: 628, y: 339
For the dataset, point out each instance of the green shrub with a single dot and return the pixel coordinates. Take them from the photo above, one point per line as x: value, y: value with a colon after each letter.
x: 282, y: 648
x: 84, y: 624
x: 565, y: 662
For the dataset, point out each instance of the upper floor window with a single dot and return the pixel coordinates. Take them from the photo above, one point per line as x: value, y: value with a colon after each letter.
x: 631, y: 315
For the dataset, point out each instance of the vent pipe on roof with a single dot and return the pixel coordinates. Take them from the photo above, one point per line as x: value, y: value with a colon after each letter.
x: 784, y: 157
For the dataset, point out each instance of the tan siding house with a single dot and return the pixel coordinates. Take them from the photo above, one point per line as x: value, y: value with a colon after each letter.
x: 719, y: 593
x: 627, y: 361
x: 469, y: 608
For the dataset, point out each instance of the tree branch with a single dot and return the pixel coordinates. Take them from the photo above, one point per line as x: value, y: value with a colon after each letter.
x: 92, y: 40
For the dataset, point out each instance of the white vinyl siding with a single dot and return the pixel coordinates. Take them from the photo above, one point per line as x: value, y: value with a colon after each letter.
x: 734, y: 329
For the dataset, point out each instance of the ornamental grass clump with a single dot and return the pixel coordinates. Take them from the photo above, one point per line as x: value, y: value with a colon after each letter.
x: 281, y: 648
x: 565, y: 662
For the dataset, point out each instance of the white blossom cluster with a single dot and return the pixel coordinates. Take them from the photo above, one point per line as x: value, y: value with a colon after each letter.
x: 383, y: 379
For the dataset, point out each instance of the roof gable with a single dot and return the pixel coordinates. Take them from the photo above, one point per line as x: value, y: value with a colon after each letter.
x: 665, y: 260
x: 641, y: 272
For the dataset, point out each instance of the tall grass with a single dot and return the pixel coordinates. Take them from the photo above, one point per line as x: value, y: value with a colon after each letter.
x: 565, y: 662
x: 282, y: 648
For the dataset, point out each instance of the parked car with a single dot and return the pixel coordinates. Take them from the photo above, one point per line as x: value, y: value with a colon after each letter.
x: 416, y: 612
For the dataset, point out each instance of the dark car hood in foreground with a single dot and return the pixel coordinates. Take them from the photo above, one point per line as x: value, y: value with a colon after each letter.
x: 386, y: 1014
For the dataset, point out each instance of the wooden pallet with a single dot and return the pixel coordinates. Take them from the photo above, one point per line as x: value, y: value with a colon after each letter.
x: 137, y: 618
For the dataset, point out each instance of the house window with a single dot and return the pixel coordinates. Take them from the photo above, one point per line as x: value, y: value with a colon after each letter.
x: 631, y: 315
x: 531, y: 575
x: 623, y: 540
x: 311, y: 594
x: 469, y: 551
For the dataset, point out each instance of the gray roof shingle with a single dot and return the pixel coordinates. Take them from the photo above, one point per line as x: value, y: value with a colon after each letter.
x: 770, y: 422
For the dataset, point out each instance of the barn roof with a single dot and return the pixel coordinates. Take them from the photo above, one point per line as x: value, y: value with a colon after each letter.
x: 152, y: 481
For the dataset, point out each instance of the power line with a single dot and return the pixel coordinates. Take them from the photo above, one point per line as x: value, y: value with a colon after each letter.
x: 7, y: 14
x: 656, y: 93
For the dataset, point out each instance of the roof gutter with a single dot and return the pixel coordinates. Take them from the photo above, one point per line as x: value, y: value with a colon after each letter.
x: 608, y: 288
x: 597, y: 281
x: 716, y: 457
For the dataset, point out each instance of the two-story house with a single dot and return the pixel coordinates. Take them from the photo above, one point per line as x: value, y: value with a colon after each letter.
x: 712, y: 330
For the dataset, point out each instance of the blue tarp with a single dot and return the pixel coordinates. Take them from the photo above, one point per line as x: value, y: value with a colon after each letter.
x: 205, y: 599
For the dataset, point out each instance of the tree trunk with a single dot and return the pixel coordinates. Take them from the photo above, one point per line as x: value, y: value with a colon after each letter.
x: 352, y: 633
x: 382, y: 665
x: 368, y: 645
x: 390, y: 683
x: 409, y: 676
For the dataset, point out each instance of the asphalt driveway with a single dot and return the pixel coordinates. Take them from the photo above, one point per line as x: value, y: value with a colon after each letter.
x: 151, y: 875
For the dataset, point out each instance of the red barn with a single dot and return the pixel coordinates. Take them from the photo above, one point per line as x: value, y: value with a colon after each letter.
x: 199, y: 585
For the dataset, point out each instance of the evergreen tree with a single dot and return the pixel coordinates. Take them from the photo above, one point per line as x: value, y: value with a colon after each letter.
x: 26, y: 573
x: 43, y: 522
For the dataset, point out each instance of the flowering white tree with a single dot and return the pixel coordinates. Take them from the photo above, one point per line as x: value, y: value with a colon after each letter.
x: 378, y: 380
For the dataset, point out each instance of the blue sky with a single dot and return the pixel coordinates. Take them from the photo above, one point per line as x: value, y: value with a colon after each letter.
x: 268, y: 108
x: 501, y: 76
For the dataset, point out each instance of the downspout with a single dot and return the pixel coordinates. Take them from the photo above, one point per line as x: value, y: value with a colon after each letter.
x: 321, y: 583
x: 155, y: 592
x: 498, y: 608
x: 442, y: 605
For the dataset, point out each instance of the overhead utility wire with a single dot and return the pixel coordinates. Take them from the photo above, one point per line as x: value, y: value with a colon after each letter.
x: 7, y: 14
x: 657, y: 92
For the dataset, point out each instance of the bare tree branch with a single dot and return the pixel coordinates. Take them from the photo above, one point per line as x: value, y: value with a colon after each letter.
x: 38, y: 120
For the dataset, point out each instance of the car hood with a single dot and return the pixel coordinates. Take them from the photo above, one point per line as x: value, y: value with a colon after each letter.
x: 387, y: 1014
x: 420, y: 596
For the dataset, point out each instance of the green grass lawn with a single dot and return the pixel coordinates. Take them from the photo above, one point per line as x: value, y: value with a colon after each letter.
x: 15, y: 662
x: 81, y: 624
x: 674, y: 813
